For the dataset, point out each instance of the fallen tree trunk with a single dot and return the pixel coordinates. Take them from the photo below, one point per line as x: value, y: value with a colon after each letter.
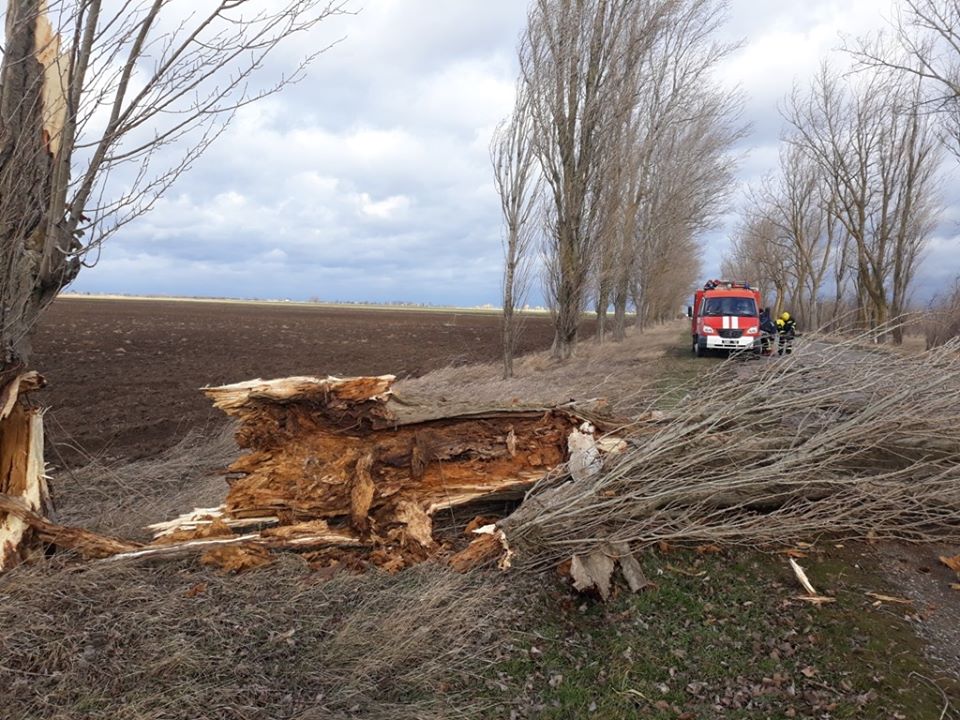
x: 349, y: 452
x: 344, y: 465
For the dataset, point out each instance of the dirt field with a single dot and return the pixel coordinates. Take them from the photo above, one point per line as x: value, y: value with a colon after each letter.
x: 124, y: 374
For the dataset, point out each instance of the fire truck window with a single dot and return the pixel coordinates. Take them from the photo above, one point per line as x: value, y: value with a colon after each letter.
x: 743, y: 307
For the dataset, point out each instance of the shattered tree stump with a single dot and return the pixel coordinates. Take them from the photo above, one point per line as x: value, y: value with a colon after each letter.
x: 22, y: 480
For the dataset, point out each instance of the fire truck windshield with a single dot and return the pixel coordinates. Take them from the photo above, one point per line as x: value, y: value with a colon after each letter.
x: 741, y: 307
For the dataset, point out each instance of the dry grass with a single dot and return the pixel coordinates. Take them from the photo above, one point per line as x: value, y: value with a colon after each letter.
x: 174, y: 641
x: 942, y: 323
x: 122, y: 497
x: 624, y: 373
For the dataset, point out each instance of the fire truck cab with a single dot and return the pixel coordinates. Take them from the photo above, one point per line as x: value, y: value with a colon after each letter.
x: 725, y: 315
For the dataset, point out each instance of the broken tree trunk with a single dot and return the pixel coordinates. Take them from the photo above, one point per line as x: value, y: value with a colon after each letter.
x: 347, y: 451
x: 22, y: 480
x: 343, y: 466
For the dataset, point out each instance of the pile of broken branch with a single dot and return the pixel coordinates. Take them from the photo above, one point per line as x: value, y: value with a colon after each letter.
x: 834, y: 439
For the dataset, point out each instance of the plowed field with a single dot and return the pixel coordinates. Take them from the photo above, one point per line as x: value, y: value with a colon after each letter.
x: 125, y: 374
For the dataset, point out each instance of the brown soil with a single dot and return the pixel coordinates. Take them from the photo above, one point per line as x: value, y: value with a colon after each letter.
x: 125, y: 375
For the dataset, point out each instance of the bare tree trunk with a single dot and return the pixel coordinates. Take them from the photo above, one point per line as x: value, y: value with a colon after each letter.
x: 569, y: 306
x: 507, y: 331
x: 519, y: 187
x: 101, y: 95
x: 34, y: 262
x: 620, y: 310
x: 603, y: 302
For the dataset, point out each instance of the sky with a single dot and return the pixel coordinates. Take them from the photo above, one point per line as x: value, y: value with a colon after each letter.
x: 370, y: 179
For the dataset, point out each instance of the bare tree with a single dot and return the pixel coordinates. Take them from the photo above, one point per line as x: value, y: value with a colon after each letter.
x: 574, y: 59
x: 942, y: 322
x: 679, y: 171
x: 877, y: 152
x: 753, y: 255
x: 518, y: 184
x: 795, y: 205
x: 102, y: 107
x: 923, y: 42
x: 791, y: 246
x: 693, y: 172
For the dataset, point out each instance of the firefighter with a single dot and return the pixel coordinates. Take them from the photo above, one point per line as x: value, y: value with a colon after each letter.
x: 768, y: 332
x: 787, y: 331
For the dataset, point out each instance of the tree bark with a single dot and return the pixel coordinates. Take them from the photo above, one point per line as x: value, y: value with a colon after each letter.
x: 34, y: 249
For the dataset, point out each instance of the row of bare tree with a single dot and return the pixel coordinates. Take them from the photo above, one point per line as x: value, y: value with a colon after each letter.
x: 615, y: 158
x: 837, y: 233
x: 840, y: 228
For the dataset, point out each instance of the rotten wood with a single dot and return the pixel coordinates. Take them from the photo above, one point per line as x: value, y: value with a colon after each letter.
x: 350, y: 452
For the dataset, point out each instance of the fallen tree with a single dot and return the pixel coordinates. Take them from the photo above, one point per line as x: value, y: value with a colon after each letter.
x: 341, y: 466
x: 835, y: 439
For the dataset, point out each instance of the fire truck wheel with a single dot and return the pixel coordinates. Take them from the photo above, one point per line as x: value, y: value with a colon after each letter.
x: 698, y: 349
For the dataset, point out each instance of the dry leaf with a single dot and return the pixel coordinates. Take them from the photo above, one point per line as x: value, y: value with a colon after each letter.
x: 197, y: 589
x: 708, y: 549
x: 951, y: 562
x: 955, y: 586
x: 794, y: 553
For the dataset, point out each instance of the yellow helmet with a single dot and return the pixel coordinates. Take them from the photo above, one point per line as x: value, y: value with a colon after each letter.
x: 780, y: 322
x: 785, y: 316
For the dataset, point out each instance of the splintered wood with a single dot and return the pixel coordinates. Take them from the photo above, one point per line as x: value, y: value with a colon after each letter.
x: 344, y: 472
x: 344, y: 464
x: 23, y: 486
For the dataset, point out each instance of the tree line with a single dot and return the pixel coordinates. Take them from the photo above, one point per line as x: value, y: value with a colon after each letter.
x: 836, y: 234
x: 615, y: 160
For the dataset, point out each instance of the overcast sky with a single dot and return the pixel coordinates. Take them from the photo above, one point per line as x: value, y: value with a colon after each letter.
x: 370, y: 180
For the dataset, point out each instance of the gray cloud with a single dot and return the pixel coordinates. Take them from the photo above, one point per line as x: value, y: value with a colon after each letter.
x: 369, y: 180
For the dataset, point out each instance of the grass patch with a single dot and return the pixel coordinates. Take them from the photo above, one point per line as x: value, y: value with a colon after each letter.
x: 721, y: 636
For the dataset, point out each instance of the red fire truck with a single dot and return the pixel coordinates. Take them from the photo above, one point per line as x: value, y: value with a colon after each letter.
x: 725, y: 315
